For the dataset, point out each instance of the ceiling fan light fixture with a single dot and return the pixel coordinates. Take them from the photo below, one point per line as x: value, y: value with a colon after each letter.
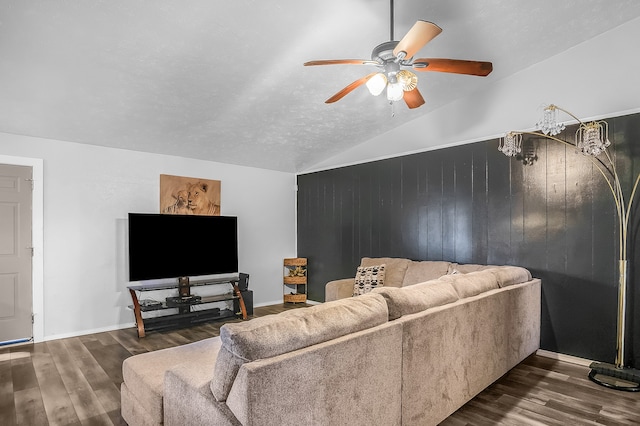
x: 377, y: 83
x: 391, y: 56
x: 408, y: 80
x: 394, y: 92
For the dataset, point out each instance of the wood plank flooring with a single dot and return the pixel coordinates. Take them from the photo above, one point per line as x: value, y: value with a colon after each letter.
x: 76, y: 381
x: 543, y: 391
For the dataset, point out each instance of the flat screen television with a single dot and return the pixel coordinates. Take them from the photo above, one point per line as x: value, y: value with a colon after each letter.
x: 174, y: 246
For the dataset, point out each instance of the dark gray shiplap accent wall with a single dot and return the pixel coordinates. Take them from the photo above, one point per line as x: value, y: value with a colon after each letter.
x: 471, y: 204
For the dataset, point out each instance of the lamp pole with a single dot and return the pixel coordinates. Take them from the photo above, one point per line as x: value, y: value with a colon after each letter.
x: 592, y: 141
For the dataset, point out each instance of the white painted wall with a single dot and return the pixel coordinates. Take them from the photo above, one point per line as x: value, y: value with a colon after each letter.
x: 88, y: 191
x: 598, y: 78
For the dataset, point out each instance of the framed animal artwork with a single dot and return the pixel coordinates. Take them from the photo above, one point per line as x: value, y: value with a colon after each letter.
x: 186, y: 195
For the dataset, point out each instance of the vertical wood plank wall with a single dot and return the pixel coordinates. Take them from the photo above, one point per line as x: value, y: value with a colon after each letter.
x: 471, y: 204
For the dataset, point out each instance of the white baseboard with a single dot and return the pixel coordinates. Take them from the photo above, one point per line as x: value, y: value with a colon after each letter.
x: 91, y: 331
x: 565, y: 358
x: 275, y: 302
x: 130, y: 325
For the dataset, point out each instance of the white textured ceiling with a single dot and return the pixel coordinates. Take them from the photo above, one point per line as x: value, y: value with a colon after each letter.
x: 224, y: 81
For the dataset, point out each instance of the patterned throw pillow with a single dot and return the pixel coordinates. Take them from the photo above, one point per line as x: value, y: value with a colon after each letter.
x: 368, y: 278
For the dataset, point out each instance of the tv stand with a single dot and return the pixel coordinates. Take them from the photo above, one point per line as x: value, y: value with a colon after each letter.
x: 184, y: 303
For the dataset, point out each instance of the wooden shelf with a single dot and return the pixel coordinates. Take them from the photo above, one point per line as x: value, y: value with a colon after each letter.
x: 295, y: 278
x: 295, y: 298
x: 296, y: 261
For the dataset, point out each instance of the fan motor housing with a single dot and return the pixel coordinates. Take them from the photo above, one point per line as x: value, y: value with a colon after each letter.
x: 384, y: 52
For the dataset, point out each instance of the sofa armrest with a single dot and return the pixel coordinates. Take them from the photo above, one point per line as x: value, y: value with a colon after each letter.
x: 339, y: 289
x: 188, y: 399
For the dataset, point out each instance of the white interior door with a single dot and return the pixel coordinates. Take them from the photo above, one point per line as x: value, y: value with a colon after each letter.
x: 15, y: 253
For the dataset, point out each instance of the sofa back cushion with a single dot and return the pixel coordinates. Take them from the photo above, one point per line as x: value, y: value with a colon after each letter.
x: 421, y: 271
x: 416, y: 298
x: 465, y: 268
x: 395, y: 268
x: 473, y: 283
x: 510, y: 275
x: 272, y: 335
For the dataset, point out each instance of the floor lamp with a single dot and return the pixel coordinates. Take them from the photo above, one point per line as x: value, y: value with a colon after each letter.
x: 592, y: 140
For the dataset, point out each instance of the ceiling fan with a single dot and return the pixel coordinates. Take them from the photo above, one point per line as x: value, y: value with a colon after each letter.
x: 391, y: 56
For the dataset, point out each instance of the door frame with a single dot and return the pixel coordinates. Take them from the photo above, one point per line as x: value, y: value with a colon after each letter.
x: 37, y: 226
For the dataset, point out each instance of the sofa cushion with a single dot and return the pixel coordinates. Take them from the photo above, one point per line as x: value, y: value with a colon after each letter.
x: 421, y: 271
x: 144, y: 373
x: 368, y: 278
x: 338, y: 289
x: 395, y: 268
x: 465, y: 268
x: 272, y: 335
x: 417, y: 298
x: 510, y: 275
x: 188, y: 400
x: 473, y: 283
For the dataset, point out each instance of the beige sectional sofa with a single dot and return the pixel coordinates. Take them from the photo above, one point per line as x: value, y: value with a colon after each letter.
x: 397, y: 356
x: 401, y: 273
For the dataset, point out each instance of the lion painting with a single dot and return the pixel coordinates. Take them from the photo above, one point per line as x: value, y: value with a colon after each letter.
x: 181, y: 204
x: 183, y: 195
x: 199, y: 202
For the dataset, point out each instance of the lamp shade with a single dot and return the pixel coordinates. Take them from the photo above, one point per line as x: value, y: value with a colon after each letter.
x: 408, y: 80
x: 377, y: 83
x: 394, y: 92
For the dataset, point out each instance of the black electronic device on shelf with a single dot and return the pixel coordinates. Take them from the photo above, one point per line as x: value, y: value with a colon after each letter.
x: 149, y: 303
x: 243, y: 281
x: 182, y: 300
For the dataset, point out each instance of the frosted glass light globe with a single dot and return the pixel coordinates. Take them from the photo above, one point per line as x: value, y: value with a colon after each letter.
x: 377, y: 83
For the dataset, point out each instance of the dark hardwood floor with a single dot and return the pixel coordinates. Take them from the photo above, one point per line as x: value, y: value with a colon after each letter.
x: 76, y: 381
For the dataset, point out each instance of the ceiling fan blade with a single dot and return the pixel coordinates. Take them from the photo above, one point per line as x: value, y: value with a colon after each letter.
x: 456, y: 66
x: 413, y: 98
x: 420, y: 34
x: 341, y: 94
x: 341, y: 62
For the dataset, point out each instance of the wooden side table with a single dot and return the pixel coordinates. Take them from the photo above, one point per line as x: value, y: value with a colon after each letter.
x: 295, y: 278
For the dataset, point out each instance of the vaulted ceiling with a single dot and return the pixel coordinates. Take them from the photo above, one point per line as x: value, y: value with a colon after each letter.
x: 224, y: 81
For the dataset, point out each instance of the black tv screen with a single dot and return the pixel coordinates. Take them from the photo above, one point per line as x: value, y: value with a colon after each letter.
x: 172, y: 246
